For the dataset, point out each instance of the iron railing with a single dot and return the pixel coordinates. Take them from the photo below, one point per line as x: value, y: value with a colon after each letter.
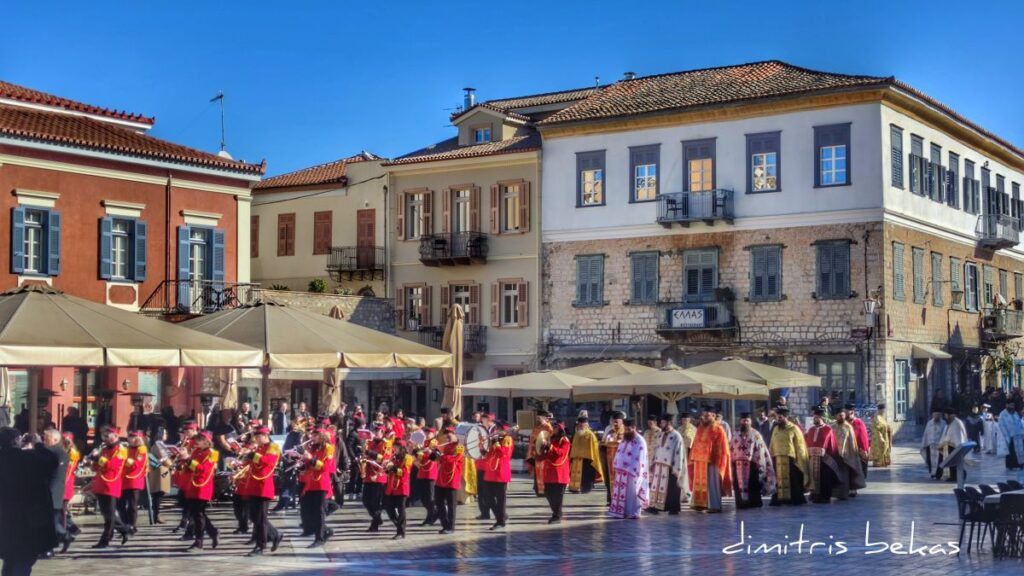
x: 1003, y: 323
x: 453, y: 248
x: 695, y: 316
x: 474, y: 338
x: 199, y: 296
x: 998, y: 231
x: 349, y: 261
x: 686, y: 207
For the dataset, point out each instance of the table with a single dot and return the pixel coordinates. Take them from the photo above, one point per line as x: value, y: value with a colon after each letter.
x: 992, y: 500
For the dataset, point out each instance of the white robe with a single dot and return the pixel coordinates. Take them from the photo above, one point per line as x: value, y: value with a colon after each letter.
x: 954, y: 436
x: 1010, y: 430
x: 631, y: 492
x: 989, y: 440
x: 933, y: 434
x: 669, y: 460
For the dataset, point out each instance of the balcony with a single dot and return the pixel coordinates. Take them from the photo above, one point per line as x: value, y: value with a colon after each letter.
x: 695, y: 316
x: 997, y: 231
x: 453, y: 248
x: 474, y: 338
x: 195, y: 297
x: 1003, y: 324
x: 682, y: 208
x: 351, y: 262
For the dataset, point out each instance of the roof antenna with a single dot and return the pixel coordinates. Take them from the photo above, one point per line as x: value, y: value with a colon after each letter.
x: 223, y: 147
x: 597, y: 81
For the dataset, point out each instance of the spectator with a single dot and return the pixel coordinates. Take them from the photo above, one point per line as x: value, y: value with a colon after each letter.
x: 280, y: 421
x: 75, y: 424
x: 26, y: 524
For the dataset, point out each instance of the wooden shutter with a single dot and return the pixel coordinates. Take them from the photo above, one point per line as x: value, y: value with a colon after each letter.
x: 474, y: 304
x: 426, y: 318
x: 446, y: 301
x: 495, y: 304
x: 637, y: 280
x: 106, y: 247
x: 495, y: 209
x: 254, y: 236
x: 523, y: 306
x: 53, y: 243
x: 474, y: 209
x: 139, y: 252
x: 400, y: 215
x: 446, y: 211
x: 651, y: 279
x: 896, y: 156
x: 897, y: 272
x: 403, y: 296
x: 824, y: 271
x: 17, y: 240
x: 582, y: 279
x: 428, y: 212
x: 286, y: 234
x: 322, y: 232
x: 773, y: 272
x: 758, y: 264
x: 597, y: 280
x: 841, y: 270
x: 524, y: 207
x: 184, y: 243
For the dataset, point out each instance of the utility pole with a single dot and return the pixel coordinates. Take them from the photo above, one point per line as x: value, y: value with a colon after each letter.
x: 220, y: 97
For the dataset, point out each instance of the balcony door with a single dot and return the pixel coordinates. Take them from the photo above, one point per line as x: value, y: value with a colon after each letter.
x: 366, y: 235
x: 700, y: 275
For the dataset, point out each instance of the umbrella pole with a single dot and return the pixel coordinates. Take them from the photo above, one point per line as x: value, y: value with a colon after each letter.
x: 33, y: 399
x: 265, y: 394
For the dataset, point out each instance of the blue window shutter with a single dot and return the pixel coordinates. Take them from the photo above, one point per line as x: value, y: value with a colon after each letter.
x: 824, y: 271
x: 17, y: 240
x: 184, y: 235
x: 773, y: 272
x: 757, y: 274
x: 841, y: 270
x: 651, y: 279
x: 53, y: 243
x: 582, y: 271
x: 140, y: 251
x: 217, y: 272
x: 597, y: 277
x: 106, y: 247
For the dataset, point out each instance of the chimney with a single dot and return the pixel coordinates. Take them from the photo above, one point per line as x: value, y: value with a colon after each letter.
x: 469, y: 100
x: 629, y: 76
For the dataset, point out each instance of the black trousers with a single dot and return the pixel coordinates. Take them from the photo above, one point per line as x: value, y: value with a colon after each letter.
x: 555, y: 493
x: 483, y: 495
x: 373, y: 501
x: 394, y: 505
x: 111, y: 519
x: 155, y: 499
x: 184, y: 511
x: 17, y: 567
x: 128, y: 507
x: 313, y: 511
x: 201, y: 524
x: 1012, y: 458
x: 424, y: 490
x: 587, y: 477
x: 263, y: 531
x: 445, y: 501
x: 674, y: 494
x: 338, y: 486
x: 499, y: 493
x: 241, y: 511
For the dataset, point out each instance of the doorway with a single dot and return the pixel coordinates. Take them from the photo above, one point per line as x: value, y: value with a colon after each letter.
x: 308, y: 392
x: 366, y: 235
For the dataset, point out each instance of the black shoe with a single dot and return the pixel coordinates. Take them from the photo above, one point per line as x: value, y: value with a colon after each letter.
x: 497, y: 525
x: 445, y: 531
x: 255, y: 552
x: 276, y: 543
x: 100, y: 545
x: 66, y: 545
x: 195, y: 546
x: 46, y: 555
x: 554, y: 520
x: 215, y: 540
x: 250, y: 541
x: 316, y: 543
x: 240, y: 531
x: 397, y: 536
x: 124, y: 538
x: 329, y: 534
x: 484, y: 517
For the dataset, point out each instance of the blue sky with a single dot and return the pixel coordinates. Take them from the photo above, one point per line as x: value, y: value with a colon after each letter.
x: 308, y: 82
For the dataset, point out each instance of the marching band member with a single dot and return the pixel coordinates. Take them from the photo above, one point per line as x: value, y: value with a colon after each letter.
x: 133, y: 480
x: 534, y: 466
x: 108, y: 461
x: 74, y: 457
x: 239, y: 502
x: 426, y: 476
x: 399, y: 471
x: 258, y: 485
x: 378, y: 450
x: 199, y: 491
x: 556, y: 471
x: 315, y: 478
x: 497, y: 467
x: 182, y: 476
x: 449, y: 478
x: 485, y: 492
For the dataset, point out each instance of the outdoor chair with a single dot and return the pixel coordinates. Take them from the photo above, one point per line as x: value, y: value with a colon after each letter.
x: 987, y: 490
x: 1003, y: 486
x: 1014, y: 485
x: 1008, y: 541
x: 980, y: 518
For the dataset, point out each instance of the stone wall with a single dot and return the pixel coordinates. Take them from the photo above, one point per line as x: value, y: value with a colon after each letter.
x: 376, y: 313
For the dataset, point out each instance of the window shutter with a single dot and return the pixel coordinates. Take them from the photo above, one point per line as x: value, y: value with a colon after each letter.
x: 597, y: 279
x: 400, y: 307
x: 757, y: 274
x: 139, y: 254
x: 841, y: 270
x: 637, y: 265
x: 897, y: 271
x: 400, y: 216
x: 53, y: 243
x: 446, y: 211
x: 474, y: 304
x: 524, y: 207
x: 523, y: 306
x: 17, y: 240
x: 582, y: 280
x: 218, y: 263
x: 184, y: 238
x: 426, y: 318
x: 824, y: 271
x: 474, y: 209
x: 106, y: 247
x: 773, y: 272
x: 495, y: 209
x: 651, y: 271
x: 495, y: 301
x: 896, y: 153
x: 446, y: 301
x: 428, y: 212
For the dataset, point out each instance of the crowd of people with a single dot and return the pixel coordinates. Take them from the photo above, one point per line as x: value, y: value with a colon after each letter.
x: 995, y: 426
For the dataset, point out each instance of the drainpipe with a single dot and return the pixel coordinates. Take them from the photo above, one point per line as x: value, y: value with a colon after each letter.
x: 538, y: 291
x: 868, y: 376
x: 168, y: 241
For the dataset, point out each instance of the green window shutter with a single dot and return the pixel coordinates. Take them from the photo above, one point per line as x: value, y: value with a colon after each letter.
x: 841, y: 270
x: 597, y: 279
x: 936, y: 279
x: 917, y: 268
x: 651, y: 279
x: 758, y: 272
x: 582, y: 279
x: 897, y: 271
x: 824, y: 288
x: 773, y: 272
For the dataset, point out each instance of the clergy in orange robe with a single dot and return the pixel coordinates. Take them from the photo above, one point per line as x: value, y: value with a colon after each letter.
x: 709, y: 455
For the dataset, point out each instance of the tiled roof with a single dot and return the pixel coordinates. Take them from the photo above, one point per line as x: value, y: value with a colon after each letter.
x: 84, y: 132
x: 450, y: 150
x: 509, y: 105
x: 709, y: 86
x: 328, y: 173
x: 30, y: 96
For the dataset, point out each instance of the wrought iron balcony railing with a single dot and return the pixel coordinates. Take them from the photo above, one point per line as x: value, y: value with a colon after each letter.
x: 474, y: 338
x: 706, y: 206
x: 453, y: 248
x: 997, y: 231
x: 348, y: 261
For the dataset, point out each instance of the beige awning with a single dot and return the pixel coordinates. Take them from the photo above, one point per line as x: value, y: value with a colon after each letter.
x: 755, y: 372
x: 543, y: 384
x: 925, y: 352
x: 671, y: 379
x: 607, y: 369
x: 41, y: 326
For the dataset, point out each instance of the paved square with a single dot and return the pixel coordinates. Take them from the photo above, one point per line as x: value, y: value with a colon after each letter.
x: 898, y: 500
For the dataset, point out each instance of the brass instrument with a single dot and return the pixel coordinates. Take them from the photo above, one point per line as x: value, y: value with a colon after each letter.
x: 542, y: 443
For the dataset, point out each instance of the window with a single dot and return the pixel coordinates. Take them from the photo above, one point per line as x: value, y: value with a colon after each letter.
x: 200, y: 262
x: 898, y: 276
x: 643, y: 164
x: 322, y: 232
x: 896, y: 155
x: 953, y: 181
x: 415, y: 204
x: 461, y: 210
x: 902, y: 388
x: 765, y: 273
x: 763, y: 151
x: 644, y: 278
x: 254, y: 236
x: 955, y: 283
x: 199, y: 240
x: 286, y: 234
x: 991, y: 205
x: 35, y: 241
x: 972, y: 200
x: 917, y: 268
x: 832, y: 155
x: 120, y: 239
x: 936, y: 174
x: 1004, y: 285
x: 918, y: 165
x: 461, y: 296
x: 481, y: 135
x: 971, y: 287
x: 414, y: 311
x: 509, y: 303
x: 699, y: 160
x: 833, y: 269
x: 502, y: 372
x: 590, y: 280
x: 989, y: 288
x: 700, y: 275
x: 936, y: 279
x: 840, y: 377
x: 590, y: 178
x: 510, y: 207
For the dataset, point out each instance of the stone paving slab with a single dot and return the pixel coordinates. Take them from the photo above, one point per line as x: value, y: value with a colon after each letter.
x: 898, y: 500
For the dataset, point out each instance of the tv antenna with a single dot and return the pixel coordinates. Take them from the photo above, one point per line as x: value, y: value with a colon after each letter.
x: 220, y: 98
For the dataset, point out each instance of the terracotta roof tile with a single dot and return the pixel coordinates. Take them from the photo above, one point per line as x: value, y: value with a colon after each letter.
x: 84, y: 132
x: 709, y: 86
x: 30, y: 96
x: 450, y: 150
x: 327, y: 173
x: 510, y: 105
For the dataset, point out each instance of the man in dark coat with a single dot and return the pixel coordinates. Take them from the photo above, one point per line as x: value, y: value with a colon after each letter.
x: 52, y: 441
x: 26, y: 508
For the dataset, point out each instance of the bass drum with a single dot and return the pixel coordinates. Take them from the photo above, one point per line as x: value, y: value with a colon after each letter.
x: 462, y: 431
x: 476, y: 442
x: 417, y: 438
